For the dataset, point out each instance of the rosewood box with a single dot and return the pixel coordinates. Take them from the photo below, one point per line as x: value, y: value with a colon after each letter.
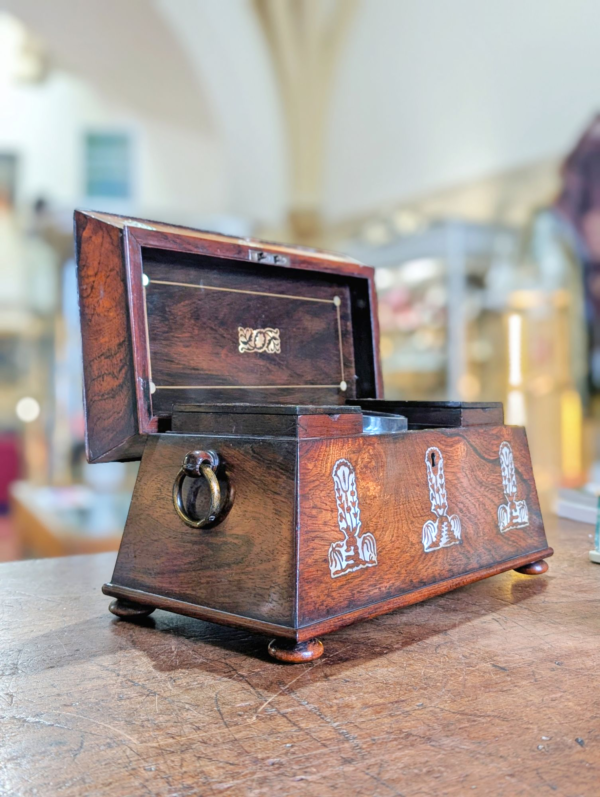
x: 277, y: 490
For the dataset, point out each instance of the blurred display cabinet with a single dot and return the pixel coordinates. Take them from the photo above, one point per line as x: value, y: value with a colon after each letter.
x: 441, y: 330
x: 476, y: 312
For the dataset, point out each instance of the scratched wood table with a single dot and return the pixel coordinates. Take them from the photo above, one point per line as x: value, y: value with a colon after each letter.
x: 486, y: 690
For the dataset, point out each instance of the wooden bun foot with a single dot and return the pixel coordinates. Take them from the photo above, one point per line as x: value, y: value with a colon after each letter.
x: 129, y: 610
x: 295, y: 652
x: 533, y: 568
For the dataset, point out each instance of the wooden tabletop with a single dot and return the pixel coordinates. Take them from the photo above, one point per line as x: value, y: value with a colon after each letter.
x: 491, y: 689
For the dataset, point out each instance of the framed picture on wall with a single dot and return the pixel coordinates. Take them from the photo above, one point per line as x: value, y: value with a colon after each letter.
x: 108, y: 165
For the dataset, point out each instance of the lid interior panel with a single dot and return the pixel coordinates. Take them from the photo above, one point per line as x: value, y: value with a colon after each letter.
x: 219, y: 330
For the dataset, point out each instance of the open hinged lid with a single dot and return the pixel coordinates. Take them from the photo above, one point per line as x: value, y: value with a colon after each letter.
x: 171, y: 315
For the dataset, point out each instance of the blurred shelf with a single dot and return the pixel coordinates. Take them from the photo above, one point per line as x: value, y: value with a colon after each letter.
x: 415, y: 362
x: 63, y: 521
x: 432, y: 286
x: 474, y: 241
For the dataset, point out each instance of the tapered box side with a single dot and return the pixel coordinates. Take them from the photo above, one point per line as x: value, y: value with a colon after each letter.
x: 245, y: 566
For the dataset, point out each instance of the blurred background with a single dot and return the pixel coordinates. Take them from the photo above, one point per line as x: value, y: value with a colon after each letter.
x: 454, y: 146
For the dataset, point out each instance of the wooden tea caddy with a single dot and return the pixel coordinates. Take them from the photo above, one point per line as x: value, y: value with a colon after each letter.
x: 240, y: 373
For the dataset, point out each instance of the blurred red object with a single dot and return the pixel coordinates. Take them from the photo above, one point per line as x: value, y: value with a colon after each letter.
x: 10, y: 466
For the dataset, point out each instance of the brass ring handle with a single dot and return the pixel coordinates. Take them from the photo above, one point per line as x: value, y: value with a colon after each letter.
x: 195, y: 464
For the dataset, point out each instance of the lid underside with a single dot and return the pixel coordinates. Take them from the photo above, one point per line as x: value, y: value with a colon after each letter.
x: 220, y: 332
x: 173, y: 315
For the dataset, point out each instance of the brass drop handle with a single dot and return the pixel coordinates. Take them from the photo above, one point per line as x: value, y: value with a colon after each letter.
x: 197, y: 464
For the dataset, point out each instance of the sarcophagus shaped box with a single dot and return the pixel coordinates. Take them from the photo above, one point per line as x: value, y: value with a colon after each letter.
x: 277, y: 491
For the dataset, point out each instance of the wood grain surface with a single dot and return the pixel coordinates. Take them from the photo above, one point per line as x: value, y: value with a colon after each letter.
x: 394, y: 503
x: 266, y: 563
x: 194, y: 339
x: 267, y: 421
x: 245, y: 564
x: 488, y: 689
x: 109, y: 381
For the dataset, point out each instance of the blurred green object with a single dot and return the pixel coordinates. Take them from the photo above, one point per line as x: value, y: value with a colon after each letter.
x: 595, y: 555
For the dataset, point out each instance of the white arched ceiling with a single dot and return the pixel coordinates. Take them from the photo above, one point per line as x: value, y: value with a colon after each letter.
x: 225, y: 45
x: 125, y: 50
x: 117, y: 66
x: 427, y: 95
x: 192, y: 79
x: 431, y: 94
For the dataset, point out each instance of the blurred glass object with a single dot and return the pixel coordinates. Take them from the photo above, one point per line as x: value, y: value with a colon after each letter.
x: 437, y: 337
x: 546, y: 368
x: 539, y: 390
